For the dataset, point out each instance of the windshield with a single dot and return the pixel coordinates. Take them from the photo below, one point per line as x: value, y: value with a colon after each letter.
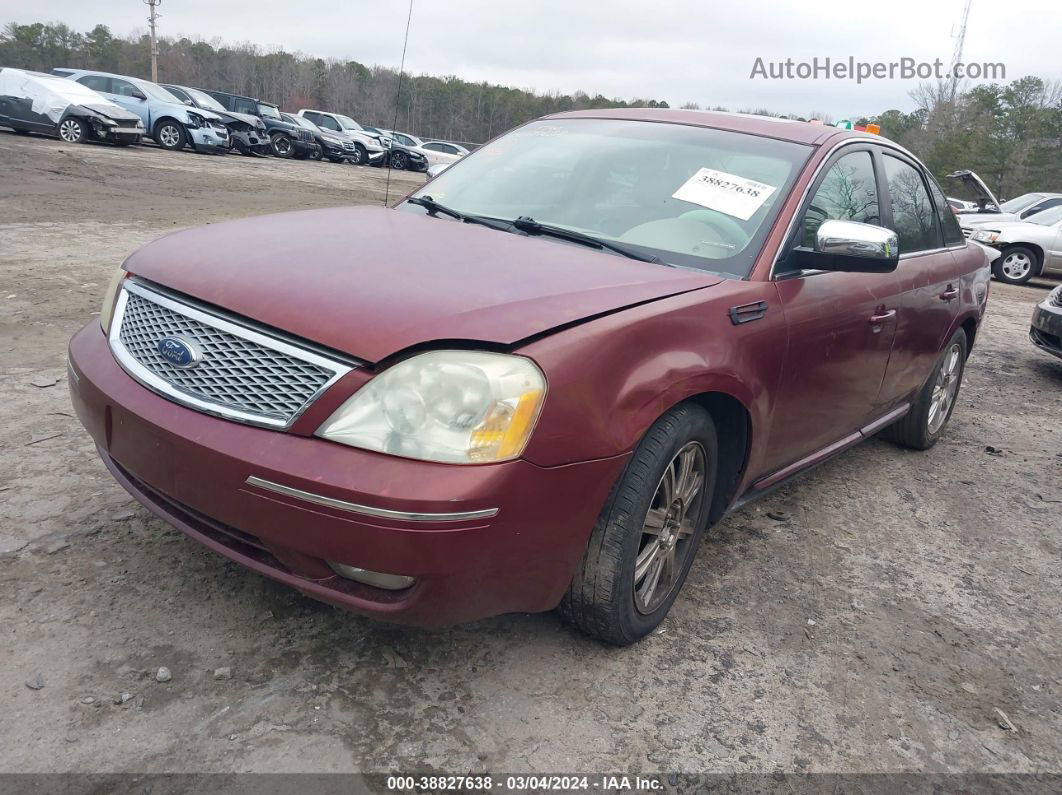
x: 157, y: 92
x: 690, y: 196
x: 1046, y: 217
x: 269, y: 111
x: 1016, y: 205
x: 348, y: 123
x: 204, y: 100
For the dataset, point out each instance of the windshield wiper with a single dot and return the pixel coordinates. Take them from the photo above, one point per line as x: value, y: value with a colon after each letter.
x: 433, y: 207
x: 533, y: 227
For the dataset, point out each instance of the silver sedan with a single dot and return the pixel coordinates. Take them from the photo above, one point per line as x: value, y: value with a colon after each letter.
x: 1027, y: 248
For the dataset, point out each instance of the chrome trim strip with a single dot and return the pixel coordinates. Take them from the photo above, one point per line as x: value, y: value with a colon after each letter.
x: 368, y: 510
x: 153, y: 382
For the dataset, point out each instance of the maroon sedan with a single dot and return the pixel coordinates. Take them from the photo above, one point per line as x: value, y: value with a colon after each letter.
x: 537, y: 380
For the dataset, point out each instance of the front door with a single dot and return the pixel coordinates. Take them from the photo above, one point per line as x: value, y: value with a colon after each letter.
x: 840, y: 325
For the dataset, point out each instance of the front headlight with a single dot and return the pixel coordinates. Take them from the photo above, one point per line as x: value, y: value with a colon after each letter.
x: 110, y: 298
x: 460, y: 407
x: 195, y: 120
x: 986, y: 236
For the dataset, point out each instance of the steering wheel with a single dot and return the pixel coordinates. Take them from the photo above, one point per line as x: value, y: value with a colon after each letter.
x: 727, y: 228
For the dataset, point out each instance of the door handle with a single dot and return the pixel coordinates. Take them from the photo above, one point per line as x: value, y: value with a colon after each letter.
x: 950, y: 294
x: 880, y: 317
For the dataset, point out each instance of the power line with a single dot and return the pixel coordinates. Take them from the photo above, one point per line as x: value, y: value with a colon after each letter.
x: 152, y: 19
x: 398, y: 96
x: 956, y: 56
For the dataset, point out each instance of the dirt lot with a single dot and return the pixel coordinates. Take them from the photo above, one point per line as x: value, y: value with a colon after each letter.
x: 905, y: 600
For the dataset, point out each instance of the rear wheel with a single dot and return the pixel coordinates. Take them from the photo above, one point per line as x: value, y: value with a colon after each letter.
x: 647, y: 533
x: 170, y: 135
x: 282, y: 146
x: 925, y: 422
x: 73, y: 131
x: 1016, y: 265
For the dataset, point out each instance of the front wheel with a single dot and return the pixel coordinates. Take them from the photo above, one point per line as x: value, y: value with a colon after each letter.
x: 170, y: 135
x: 647, y: 534
x: 1016, y: 265
x: 925, y: 422
x: 399, y: 161
x: 360, y: 156
x: 282, y: 146
x: 73, y: 131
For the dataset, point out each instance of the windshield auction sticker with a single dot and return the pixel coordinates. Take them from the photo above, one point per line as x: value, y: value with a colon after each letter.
x: 724, y: 193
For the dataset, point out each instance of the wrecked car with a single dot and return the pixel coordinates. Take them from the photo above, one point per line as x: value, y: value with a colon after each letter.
x: 247, y: 133
x: 32, y: 102
x: 536, y: 381
x: 172, y: 124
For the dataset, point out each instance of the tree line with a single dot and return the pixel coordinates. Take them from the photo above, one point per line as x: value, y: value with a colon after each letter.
x: 1011, y: 135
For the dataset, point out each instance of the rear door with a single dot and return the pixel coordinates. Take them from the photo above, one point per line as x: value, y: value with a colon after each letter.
x: 840, y: 325
x: 929, y: 238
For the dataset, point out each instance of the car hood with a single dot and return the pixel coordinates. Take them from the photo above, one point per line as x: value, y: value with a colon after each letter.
x: 112, y: 111
x: 180, y: 109
x: 369, y: 281
x: 986, y: 219
x: 977, y: 185
x: 229, y: 115
x: 1023, y: 229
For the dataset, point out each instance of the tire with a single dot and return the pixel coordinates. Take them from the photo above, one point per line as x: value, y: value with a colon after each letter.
x: 282, y: 146
x: 1016, y: 265
x: 924, y: 424
x: 360, y: 156
x: 605, y: 599
x: 399, y: 161
x: 73, y: 131
x: 334, y: 159
x: 170, y: 135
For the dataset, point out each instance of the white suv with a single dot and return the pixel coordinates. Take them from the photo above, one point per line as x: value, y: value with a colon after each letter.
x: 369, y: 149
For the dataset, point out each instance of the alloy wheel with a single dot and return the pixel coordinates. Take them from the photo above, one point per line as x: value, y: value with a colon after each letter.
x: 70, y: 131
x: 945, y: 387
x: 668, y: 528
x: 1016, y: 265
x: 282, y: 145
x: 169, y: 136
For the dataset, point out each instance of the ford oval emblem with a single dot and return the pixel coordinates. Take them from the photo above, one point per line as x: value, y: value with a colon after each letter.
x: 179, y: 352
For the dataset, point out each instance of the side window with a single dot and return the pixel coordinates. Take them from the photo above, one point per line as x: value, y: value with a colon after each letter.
x: 847, y: 193
x: 95, y: 82
x: 913, y: 218
x: 404, y: 140
x: 178, y: 93
x: 241, y: 105
x: 450, y: 150
x: 327, y: 122
x: 949, y: 224
x: 433, y: 147
x: 123, y: 88
x: 1041, y: 206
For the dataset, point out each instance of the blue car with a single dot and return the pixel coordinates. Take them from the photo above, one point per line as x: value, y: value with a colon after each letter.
x: 169, y: 121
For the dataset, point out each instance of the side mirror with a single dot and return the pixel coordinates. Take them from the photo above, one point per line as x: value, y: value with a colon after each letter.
x: 852, y: 247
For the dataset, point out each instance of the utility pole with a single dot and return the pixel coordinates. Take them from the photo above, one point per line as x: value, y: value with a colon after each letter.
x: 956, y: 56
x: 152, y: 19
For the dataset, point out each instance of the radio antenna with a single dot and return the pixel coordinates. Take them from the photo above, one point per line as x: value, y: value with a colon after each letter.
x: 398, y: 97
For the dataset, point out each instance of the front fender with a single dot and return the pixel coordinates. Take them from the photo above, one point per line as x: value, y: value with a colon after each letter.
x: 609, y: 379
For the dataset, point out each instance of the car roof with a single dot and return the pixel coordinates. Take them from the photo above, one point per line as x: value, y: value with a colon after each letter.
x: 800, y: 132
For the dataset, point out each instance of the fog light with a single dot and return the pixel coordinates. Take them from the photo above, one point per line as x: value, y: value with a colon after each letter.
x: 377, y: 579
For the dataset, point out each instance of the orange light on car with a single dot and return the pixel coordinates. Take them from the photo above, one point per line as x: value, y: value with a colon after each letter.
x: 874, y: 129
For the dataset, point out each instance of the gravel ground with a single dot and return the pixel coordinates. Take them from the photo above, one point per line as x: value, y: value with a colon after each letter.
x: 904, y: 600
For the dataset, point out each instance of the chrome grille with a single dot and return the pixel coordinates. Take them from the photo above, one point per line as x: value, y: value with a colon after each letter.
x: 1056, y: 296
x: 241, y: 373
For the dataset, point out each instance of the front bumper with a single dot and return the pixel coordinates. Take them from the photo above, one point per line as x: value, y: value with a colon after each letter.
x: 210, y: 139
x: 252, y: 141
x: 192, y: 470
x: 1046, y: 329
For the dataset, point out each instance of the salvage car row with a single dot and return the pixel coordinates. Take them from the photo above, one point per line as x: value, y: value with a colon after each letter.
x: 79, y: 105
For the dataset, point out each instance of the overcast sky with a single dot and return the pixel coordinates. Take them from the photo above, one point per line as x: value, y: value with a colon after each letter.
x: 679, y: 50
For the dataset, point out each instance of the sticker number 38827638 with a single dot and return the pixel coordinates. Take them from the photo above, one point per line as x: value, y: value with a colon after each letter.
x: 725, y: 193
